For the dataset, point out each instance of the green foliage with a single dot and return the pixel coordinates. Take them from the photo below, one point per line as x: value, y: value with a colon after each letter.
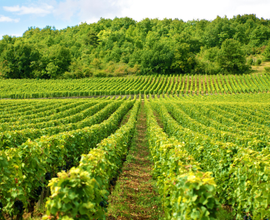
x: 250, y: 177
x: 19, y: 60
x: 91, y: 39
x: 105, y: 84
x: 224, y: 214
x: 250, y: 61
x: 184, y: 60
x: 187, y: 192
x: 211, y: 149
x: 210, y: 54
x: 208, y: 62
x: 266, y: 52
x: 47, y: 153
x: 259, y: 36
x: 82, y: 192
x: 156, y: 46
x: 218, y: 31
x: 96, y: 63
x: 258, y: 62
x: 156, y: 58
x: 238, y: 160
x: 267, y: 69
x: 231, y: 58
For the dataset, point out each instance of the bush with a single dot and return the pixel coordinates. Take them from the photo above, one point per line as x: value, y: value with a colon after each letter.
x: 87, y: 72
x: 100, y: 74
x: 110, y: 69
x: 267, y: 69
x: 266, y: 53
x: 258, y: 62
x: 69, y: 75
x: 134, y: 70
x: 206, y: 67
x: 250, y: 61
x: 120, y: 71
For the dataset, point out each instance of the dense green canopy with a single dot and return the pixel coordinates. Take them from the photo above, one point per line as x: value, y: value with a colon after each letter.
x: 123, y: 46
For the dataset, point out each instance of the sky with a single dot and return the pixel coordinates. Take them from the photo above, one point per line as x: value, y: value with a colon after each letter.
x: 16, y: 16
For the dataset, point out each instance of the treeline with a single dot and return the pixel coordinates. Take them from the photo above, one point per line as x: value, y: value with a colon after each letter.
x: 123, y: 46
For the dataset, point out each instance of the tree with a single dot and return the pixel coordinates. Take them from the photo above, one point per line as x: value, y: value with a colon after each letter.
x: 155, y: 46
x: 55, y: 61
x: 18, y: 61
x: 266, y: 52
x: 218, y: 31
x: 158, y: 59
x: 231, y: 57
x: 52, y: 70
x: 259, y: 36
x: 183, y: 60
x: 96, y: 63
x: 91, y: 39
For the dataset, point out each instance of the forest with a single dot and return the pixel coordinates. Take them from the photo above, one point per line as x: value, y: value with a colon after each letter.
x: 123, y: 46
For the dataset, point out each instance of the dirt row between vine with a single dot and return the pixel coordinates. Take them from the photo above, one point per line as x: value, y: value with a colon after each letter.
x: 135, y: 195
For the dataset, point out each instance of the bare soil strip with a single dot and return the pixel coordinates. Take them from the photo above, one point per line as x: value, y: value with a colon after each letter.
x: 135, y: 195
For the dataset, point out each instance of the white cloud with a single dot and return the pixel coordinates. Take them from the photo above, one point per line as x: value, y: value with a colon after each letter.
x: 92, y: 10
x: 259, y: 7
x: 42, y: 10
x: 194, y: 9
x: 66, y: 10
x: 89, y: 10
x: 7, y: 19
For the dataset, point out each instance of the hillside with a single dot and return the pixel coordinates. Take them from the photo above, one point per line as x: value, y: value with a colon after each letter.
x: 123, y: 46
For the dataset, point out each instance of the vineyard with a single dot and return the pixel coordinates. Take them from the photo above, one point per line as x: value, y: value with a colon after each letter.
x: 158, y: 84
x: 208, y: 138
x: 230, y: 140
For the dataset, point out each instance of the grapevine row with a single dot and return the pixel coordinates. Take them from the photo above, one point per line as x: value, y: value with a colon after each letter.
x: 88, y: 183
x: 240, y: 172
x: 23, y: 168
x: 183, y: 84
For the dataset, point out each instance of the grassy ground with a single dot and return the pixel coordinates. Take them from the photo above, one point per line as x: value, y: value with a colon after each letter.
x: 224, y: 214
x: 260, y: 68
x: 135, y: 195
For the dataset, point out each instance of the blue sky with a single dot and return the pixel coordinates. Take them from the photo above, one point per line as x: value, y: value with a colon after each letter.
x: 17, y: 15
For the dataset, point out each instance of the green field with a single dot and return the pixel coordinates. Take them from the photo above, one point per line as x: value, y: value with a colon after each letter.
x: 208, y: 139
x: 156, y: 84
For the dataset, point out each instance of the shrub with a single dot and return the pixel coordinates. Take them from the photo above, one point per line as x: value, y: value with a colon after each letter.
x: 68, y: 75
x: 266, y: 53
x: 267, y: 69
x: 87, y: 72
x: 100, y: 74
x: 120, y: 71
x: 250, y: 61
x: 258, y: 62
x: 134, y: 70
